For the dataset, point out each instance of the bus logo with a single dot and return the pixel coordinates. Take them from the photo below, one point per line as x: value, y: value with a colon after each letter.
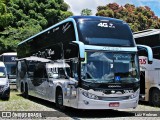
x: 113, y: 86
x: 107, y: 25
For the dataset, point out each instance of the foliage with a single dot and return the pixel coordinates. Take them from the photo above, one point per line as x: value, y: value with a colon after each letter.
x: 5, y: 17
x: 138, y: 18
x: 20, y: 19
x: 86, y: 12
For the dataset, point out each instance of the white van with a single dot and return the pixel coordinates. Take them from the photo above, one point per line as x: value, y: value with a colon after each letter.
x: 4, y: 83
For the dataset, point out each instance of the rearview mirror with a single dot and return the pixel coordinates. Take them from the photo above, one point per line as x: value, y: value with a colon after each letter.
x: 74, y: 49
x: 149, y: 52
x: 81, y: 49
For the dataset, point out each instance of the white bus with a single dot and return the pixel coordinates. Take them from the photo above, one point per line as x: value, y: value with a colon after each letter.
x: 10, y: 63
x: 84, y: 62
x: 150, y: 73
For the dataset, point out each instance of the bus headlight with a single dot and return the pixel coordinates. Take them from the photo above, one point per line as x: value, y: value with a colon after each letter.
x: 89, y: 95
x: 134, y: 94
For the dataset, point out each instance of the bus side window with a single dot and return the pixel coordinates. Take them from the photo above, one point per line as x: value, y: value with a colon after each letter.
x: 39, y: 74
x: 39, y: 71
x: 22, y: 69
x: 156, y: 53
x: 31, y: 69
x: 61, y: 73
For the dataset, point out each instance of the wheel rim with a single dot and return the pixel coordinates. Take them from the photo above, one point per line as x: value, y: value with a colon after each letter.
x: 156, y: 98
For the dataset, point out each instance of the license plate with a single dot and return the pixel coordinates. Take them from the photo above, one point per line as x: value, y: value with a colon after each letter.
x: 114, y: 104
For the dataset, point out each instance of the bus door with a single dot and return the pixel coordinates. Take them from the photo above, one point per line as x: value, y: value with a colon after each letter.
x: 143, y: 68
x: 31, y: 69
x: 142, y: 82
x: 73, y: 82
x: 52, y: 73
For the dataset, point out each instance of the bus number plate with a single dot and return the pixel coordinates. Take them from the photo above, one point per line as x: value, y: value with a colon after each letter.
x: 114, y: 104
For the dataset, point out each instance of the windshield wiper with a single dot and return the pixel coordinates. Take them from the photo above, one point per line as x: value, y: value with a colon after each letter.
x: 106, y: 81
x: 88, y: 83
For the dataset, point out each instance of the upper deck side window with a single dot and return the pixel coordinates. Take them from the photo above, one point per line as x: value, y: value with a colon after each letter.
x: 63, y: 33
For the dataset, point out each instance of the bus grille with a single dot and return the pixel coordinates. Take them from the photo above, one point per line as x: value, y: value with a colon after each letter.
x: 113, y: 98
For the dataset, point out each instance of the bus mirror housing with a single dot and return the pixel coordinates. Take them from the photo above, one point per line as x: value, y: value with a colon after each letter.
x: 149, y: 52
x: 81, y: 49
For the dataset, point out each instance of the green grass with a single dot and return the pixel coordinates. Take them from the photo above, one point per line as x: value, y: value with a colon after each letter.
x: 18, y: 103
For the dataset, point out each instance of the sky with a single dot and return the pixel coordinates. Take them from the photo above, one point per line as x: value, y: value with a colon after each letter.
x: 76, y: 6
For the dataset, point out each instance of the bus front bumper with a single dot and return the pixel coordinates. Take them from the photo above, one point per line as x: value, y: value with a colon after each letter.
x: 87, y: 103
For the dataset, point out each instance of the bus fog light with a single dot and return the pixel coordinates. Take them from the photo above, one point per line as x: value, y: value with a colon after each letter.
x: 89, y: 95
x: 134, y: 94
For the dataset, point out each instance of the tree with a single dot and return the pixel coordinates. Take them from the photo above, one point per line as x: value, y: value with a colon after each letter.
x: 138, y: 18
x: 5, y: 17
x: 20, y: 19
x: 86, y: 12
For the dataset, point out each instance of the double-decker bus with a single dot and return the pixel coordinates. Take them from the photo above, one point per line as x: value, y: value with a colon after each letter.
x: 9, y: 60
x: 83, y: 62
x: 150, y: 73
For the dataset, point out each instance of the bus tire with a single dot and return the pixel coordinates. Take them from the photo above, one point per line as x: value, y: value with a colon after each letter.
x: 26, y: 91
x: 59, y: 99
x: 22, y: 89
x: 155, y: 97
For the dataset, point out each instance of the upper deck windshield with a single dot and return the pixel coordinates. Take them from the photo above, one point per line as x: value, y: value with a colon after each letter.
x: 110, y: 67
x: 2, y: 72
x: 105, y: 33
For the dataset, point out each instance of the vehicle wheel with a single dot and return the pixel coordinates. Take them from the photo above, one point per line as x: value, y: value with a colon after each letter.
x: 155, y: 97
x: 6, y: 98
x: 59, y: 100
x: 26, y: 92
x: 6, y: 95
x: 22, y: 89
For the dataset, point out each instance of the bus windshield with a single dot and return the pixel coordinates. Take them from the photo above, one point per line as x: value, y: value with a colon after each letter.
x: 110, y: 67
x: 2, y: 72
x: 105, y: 33
x: 11, y: 69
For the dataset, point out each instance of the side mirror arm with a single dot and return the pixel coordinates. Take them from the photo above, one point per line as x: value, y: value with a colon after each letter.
x: 81, y: 49
x: 149, y: 52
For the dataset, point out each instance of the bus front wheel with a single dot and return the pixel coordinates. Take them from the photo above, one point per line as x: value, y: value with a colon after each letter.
x: 155, y: 97
x: 59, y: 99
